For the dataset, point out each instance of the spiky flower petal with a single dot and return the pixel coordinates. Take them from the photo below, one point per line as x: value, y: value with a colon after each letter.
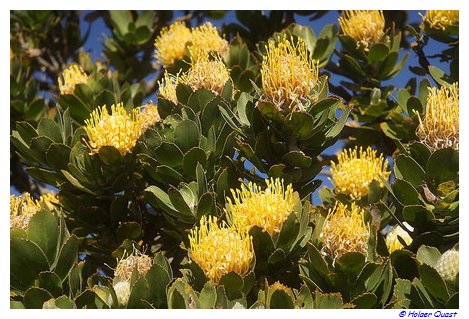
x: 23, y: 207
x: 170, y: 45
x: 167, y: 87
x: 344, y: 231
x: 266, y: 208
x: 289, y: 73
x: 149, y: 116
x: 219, y: 249
x: 440, y: 126
x: 364, y: 26
x: 71, y: 77
x: 441, y: 19
x: 448, y: 265
x: 205, y: 39
x: 206, y: 74
x: 392, y: 240
x: 141, y: 262
x: 355, y: 171
x: 118, y: 129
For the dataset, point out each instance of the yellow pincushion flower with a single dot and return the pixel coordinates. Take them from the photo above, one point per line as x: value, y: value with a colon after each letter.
x: 364, y: 26
x: 219, y: 250
x: 23, y: 207
x: 71, y: 77
x: 167, y: 87
x: 118, y: 129
x: 136, y: 260
x: 206, y: 74
x: 355, y: 171
x: 170, y: 45
x: 440, y: 126
x: 441, y: 19
x: 267, y: 209
x: 205, y: 39
x: 149, y: 116
x: 344, y: 231
x: 289, y: 73
x: 392, y: 240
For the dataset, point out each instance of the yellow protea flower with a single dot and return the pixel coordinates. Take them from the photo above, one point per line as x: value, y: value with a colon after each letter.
x: 136, y: 260
x: 118, y: 129
x: 205, y: 39
x: 440, y: 126
x: 149, y: 116
x: 364, y: 26
x: 289, y: 73
x: 344, y: 231
x: 355, y: 171
x: 167, y: 87
x: 170, y: 45
x: 267, y: 209
x: 441, y: 19
x: 206, y: 74
x: 71, y: 77
x: 392, y: 240
x: 23, y: 207
x: 219, y: 249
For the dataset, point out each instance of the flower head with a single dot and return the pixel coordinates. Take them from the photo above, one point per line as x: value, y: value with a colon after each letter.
x: 167, y: 87
x: 148, y: 116
x: 206, y: 74
x: 344, y: 231
x: 125, y: 267
x: 448, y: 265
x: 355, y: 171
x: 219, y: 250
x: 440, y: 126
x: 71, y: 77
x: 364, y: 26
x: 118, y: 129
x: 170, y: 45
x: 205, y: 39
x: 267, y: 209
x: 23, y: 207
x: 392, y: 240
x: 289, y: 73
x: 441, y: 19
x: 123, y: 290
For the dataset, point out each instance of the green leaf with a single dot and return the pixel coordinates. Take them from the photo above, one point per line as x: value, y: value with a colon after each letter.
x: 404, y: 264
x: 50, y: 282
x: 279, y: 299
x: 63, y: 302
x: 140, y: 292
x: 433, y: 282
x: 351, y: 263
x: 443, y: 165
x: 297, y: 158
x: 232, y: 282
x: 402, y: 289
x: 405, y: 193
x: 299, y: 125
x: 327, y: 301
x: 58, y: 155
x: 67, y: 258
x: 158, y: 279
x: 26, y: 262
x: 407, y: 168
x: 417, y: 214
x: 49, y: 128
x: 35, y: 297
x: 186, y: 135
x: 169, y: 154
x: 428, y: 255
x: 193, y: 156
x: 365, y: 301
x: 208, y: 296
x: 26, y: 131
x: 270, y: 112
x: 289, y: 232
x: 121, y: 20
x: 129, y: 230
x: 378, y: 52
x: 42, y: 230
x: 438, y: 75
x: 420, y: 153
x: 109, y: 155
